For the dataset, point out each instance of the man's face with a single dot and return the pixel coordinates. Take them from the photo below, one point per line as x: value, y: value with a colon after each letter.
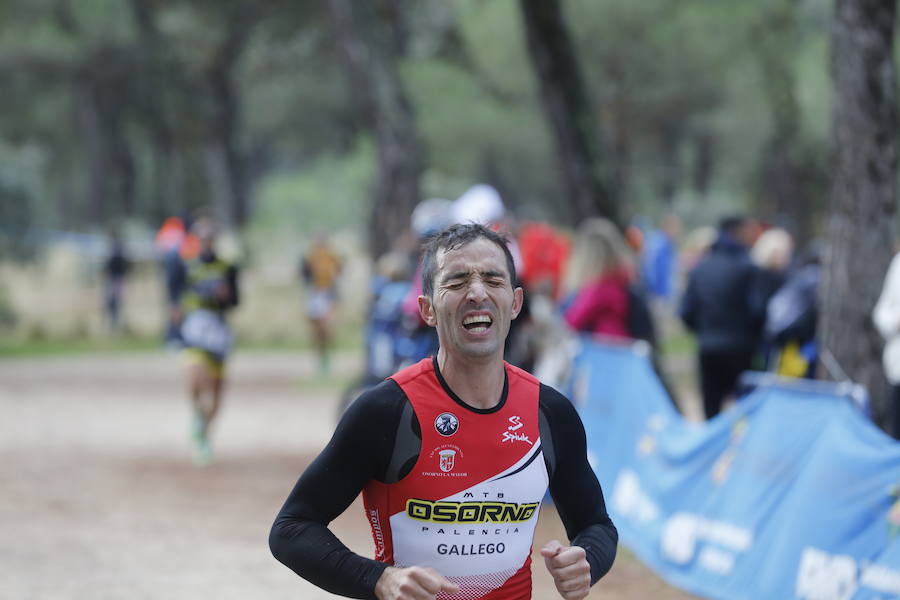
x: 473, y: 300
x: 205, y: 231
x: 749, y: 232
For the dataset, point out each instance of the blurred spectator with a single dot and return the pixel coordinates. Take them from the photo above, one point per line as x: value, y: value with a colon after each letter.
x: 791, y: 317
x: 209, y: 288
x: 772, y: 253
x: 115, y: 268
x: 660, y: 259
x: 544, y: 255
x: 429, y: 217
x: 175, y: 243
x: 384, y: 330
x: 634, y: 238
x: 482, y: 204
x: 319, y: 270
x: 723, y: 305
x: 887, y: 319
x: 601, y: 270
x: 696, y: 244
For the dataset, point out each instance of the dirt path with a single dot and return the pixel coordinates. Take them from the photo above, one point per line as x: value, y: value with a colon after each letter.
x: 99, y: 499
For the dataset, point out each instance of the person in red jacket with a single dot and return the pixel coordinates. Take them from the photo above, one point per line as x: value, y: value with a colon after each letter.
x: 602, y: 269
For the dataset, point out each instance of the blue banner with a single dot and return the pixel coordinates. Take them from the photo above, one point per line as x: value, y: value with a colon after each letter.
x: 791, y: 494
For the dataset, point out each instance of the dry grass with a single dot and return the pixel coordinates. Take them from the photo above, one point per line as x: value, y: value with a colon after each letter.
x: 61, y: 297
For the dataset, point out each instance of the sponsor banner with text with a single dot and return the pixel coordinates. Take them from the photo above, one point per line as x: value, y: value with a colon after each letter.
x: 790, y: 494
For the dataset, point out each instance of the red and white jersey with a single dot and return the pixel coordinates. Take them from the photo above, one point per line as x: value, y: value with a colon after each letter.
x: 469, y: 506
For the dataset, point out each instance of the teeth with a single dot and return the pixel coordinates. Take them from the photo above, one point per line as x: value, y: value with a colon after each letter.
x: 477, y: 319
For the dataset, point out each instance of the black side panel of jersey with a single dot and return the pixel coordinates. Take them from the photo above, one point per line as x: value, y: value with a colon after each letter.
x: 573, y: 484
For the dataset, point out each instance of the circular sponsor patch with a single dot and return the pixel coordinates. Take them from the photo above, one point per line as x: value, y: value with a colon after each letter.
x: 446, y: 424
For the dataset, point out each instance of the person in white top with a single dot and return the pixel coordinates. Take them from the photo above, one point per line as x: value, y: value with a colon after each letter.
x: 887, y: 320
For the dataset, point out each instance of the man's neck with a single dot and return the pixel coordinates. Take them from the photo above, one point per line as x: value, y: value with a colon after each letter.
x: 477, y: 382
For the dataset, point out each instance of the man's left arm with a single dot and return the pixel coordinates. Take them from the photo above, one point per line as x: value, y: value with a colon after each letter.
x: 579, y: 500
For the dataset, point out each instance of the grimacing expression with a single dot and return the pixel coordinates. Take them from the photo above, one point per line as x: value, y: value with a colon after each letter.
x: 473, y: 300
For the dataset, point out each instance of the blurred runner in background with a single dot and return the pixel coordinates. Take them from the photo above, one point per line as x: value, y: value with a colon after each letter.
x: 319, y: 270
x: 206, y: 287
x: 115, y: 269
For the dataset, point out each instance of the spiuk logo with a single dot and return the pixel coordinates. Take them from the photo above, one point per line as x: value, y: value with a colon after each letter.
x: 446, y: 424
x: 511, y: 434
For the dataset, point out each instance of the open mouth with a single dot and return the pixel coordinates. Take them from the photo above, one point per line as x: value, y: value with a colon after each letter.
x: 478, y: 323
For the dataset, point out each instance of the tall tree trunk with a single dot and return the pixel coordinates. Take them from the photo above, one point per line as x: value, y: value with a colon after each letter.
x: 229, y: 190
x: 863, y: 198
x: 787, y: 172
x: 166, y: 195
x: 566, y: 105
x: 225, y: 119
x: 97, y: 165
x: 111, y: 188
x: 703, y: 165
x: 385, y: 109
x: 669, y: 178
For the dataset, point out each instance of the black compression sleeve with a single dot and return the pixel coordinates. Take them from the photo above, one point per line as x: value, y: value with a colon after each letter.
x: 574, y: 486
x: 359, y: 451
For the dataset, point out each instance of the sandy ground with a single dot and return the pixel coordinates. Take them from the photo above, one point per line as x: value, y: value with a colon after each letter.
x: 99, y: 498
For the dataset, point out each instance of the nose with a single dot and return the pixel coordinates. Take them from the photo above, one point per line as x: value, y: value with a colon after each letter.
x: 476, y: 292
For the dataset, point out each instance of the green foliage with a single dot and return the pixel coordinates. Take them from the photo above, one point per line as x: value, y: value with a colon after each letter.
x: 330, y: 194
x: 460, y: 141
x: 663, y: 78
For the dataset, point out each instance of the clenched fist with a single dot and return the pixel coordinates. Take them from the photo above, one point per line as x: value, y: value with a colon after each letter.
x: 412, y: 583
x: 570, y: 569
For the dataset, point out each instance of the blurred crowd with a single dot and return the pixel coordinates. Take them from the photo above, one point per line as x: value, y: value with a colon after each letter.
x: 741, y: 289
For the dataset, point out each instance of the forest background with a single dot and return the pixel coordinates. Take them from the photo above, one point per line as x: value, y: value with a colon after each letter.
x: 287, y: 118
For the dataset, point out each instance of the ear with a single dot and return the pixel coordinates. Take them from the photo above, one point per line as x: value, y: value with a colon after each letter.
x: 426, y: 311
x: 518, y: 299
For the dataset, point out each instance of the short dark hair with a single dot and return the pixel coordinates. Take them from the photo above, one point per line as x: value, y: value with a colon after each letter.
x: 457, y: 236
x: 732, y: 223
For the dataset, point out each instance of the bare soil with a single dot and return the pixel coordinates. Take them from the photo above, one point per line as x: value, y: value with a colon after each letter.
x: 99, y: 498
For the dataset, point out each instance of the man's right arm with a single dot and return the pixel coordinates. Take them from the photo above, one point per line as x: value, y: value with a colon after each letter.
x: 359, y: 451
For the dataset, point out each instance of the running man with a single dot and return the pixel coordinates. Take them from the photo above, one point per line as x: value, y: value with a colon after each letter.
x: 453, y: 456
x: 319, y: 270
x: 207, y: 287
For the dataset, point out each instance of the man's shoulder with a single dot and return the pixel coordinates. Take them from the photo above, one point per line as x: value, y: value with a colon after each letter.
x: 553, y: 402
x: 516, y: 373
x: 561, y: 419
x: 714, y: 264
x: 379, y: 401
x: 382, y: 392
x: 424, y: 367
